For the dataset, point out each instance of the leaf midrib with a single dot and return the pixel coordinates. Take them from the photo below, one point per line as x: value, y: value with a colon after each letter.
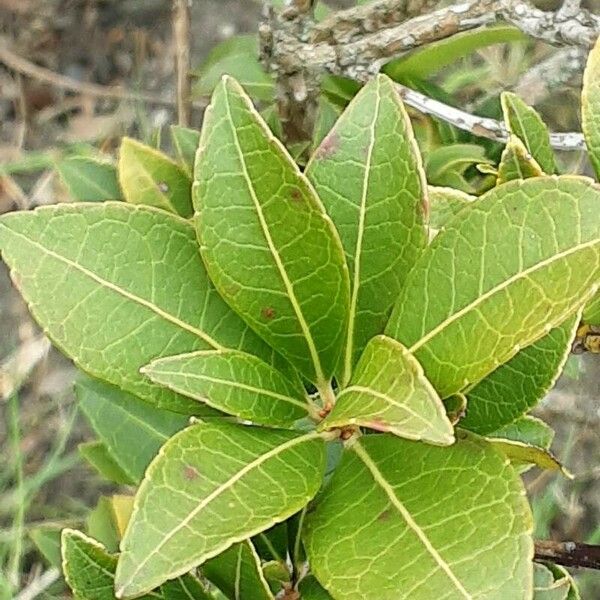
x: 359, y: 239
x: 405, y: 514
x: 118, y: 290
x: 225, y: 382
x: 498, y: 288
x: 208, y: 499
x: 274, y: 252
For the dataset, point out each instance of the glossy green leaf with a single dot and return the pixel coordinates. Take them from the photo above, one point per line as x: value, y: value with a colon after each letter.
x: 389, y: 392
x: 591, y: 313
x: 46, y: 538
x: 233, y: 382
x: 517, y: 386
x: 267, y: 243
x: 185, y: 142
x: 524, y: 122
x: 545, y: 587
x: 237, y: 57
x: 590, y: 107
x: 198, y: 498
x: 97, y: 455
x: 130, y: 429
x: 560, y: 573
x: 517, y: 163
x: 368, y: 173
x: 238, y: 574
x: 106, y: 282
x: 89, y: 179
x: 444, y: 204
x: 149, y: 177
x: 516, y: 264
x: 90, y: 570
x: 406, y: 520
x: 434, y: 57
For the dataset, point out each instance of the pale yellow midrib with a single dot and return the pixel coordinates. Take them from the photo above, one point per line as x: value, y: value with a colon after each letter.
x: 507, y: 282
x: 238, y: 573
x: 111, y: 286
x: 230, y: 383
x: 389, y: 491
x: 216, y: 493
x: 359, y: 241
x: 283, y: 273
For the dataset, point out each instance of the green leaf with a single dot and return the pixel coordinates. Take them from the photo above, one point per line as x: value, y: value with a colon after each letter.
x: 444, y: 204
x: 389, y: 392
x: 407, y: 520
x: 97, y: 456
x: 524, y: 122
x: 89, y: 570
x: 46, y: 538
x: 101, y: 524
x: 368, y: 173
x: 590, y: 107
x: 267, y: 243
x: 516, y: 162
x: 545, y: 587
x: 151, y: 178
x: 238, y: 574
x: 198, y: 497
x: 518, y: 262
x: 237, y: 57
x: 234, y: 382
x: 434, y: 57
x: 89, y: 179
x: 591, y: 313
x: 185, y: 142
x: 517, y: 386
x: 527, y: 429
x: 520, y: 453
x: 131, y: 430
x: 106, y: 282
x: 311, y: 589
x: 327, y: 114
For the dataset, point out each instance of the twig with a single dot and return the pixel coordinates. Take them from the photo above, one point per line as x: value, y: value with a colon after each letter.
x: 39, y: 584
x: 182, y: 35
x: 27, y: 68
x: 480, y: 126
x: 567, y: 26
x: 568, y: 554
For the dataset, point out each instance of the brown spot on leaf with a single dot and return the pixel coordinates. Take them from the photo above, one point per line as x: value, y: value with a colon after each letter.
x: 190, y: 473
x: 329, y: 146
x: 296, y: 195
x: 268, y: 312
x: 385, y: 515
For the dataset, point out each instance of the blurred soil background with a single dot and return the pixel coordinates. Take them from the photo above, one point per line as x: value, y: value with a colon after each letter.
x: 130, y: 43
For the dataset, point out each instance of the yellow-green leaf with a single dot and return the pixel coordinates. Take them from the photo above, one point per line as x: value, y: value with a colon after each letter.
x: 405, y: 520
x: 516, y: 264
x: 590, y: 107
x: 517, y: 162
x: 389, y: 392
x: 233, y: 382
x: 368, y: 173
x: 268, y: 245
x: 151, y: 178
x: 198, y: 498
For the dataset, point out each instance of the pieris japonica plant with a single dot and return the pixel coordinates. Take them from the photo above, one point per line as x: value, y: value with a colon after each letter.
x: 318, y: 379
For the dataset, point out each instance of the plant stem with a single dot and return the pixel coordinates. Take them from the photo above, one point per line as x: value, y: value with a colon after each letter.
x: 568, y: 554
